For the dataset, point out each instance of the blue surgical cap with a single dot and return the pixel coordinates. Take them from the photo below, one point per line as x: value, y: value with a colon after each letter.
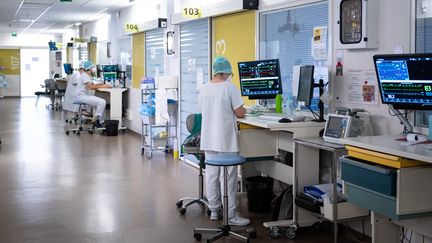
x: 221, y: 65
x: 87, y: 65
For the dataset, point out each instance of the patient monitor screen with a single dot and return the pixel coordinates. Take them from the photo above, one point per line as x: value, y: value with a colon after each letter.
x: 336, y: 127
x: 260, y: 79
x: 405, y: 80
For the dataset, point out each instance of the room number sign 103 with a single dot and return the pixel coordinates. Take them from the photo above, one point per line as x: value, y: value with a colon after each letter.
x: 193, y: 13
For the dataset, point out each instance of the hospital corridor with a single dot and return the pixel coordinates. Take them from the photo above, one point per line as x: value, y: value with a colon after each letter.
x: 92, y: 188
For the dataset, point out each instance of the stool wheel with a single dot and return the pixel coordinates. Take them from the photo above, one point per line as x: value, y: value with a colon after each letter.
x: 198, y: 236
x: 182, y: 211
x: 252, y: 233
x: 67, y: 132
x: 179, y: 204
x: 78, y: 133
x: 275, y: 232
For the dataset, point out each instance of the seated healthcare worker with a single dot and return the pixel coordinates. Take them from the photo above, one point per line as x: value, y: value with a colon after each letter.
x: 72, y: 90
x: 86, y: 94
x: 220, y: 103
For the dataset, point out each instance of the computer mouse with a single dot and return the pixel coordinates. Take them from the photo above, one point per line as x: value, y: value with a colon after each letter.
x: 285, y: 120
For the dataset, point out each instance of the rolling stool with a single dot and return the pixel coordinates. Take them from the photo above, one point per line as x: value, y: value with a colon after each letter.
x: 225, y: 229
x: 200, y: 199
x: 81, y: 119
x: 193, y: 125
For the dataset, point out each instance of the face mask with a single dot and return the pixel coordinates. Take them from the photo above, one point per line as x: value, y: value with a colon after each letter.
x: 229, y: 78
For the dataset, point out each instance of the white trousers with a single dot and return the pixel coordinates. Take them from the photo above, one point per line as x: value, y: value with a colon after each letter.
x: 215, y: 185
x: 96, y: 103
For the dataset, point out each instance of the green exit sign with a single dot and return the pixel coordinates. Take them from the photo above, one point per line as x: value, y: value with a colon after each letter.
x: 65, y: 0
x: 14, y: 34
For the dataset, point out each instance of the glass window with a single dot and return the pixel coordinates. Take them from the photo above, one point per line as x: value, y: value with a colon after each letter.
x: 423, y: 40
x: 296, y: 36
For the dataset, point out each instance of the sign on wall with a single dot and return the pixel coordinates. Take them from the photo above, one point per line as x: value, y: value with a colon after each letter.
x: 192, y: 13
x: 131, y: 27
x: 10, y: 61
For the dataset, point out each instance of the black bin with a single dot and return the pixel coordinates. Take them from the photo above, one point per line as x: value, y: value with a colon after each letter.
x: 259, y: 194
x: 111, y: 127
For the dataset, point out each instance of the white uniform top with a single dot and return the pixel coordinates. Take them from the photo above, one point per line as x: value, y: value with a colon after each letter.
x: 217, y: 102
x: 71, y: 92
x: 82, y: 88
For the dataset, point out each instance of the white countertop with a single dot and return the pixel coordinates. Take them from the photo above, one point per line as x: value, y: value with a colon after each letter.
x: 275, y: 125
x: 112, y: 89
x: 389, y: 145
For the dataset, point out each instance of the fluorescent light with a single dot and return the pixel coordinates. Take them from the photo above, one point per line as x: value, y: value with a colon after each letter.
x: 77, y: 24
x: 46, y: 10
x: 44, y: 29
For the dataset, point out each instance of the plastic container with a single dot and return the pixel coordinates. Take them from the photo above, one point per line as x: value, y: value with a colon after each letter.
x: 259, y: 194
x: 278, y: 103
x: 430, y: 127
x: 111, y: 127
x: 175, y: 152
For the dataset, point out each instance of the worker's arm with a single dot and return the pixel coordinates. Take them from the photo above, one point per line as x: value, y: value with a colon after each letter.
x: 91, y: 86
x: 240, y: 112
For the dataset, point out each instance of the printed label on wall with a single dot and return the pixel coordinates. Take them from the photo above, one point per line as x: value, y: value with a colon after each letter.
x: 131, y: 28
x: 10, y: 61
x: 192, y: 13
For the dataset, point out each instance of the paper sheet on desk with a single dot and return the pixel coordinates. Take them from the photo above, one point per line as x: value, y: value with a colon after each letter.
x: 161, y: 106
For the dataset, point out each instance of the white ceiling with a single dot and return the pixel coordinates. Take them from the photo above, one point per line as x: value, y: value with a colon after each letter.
x: 57, y: 17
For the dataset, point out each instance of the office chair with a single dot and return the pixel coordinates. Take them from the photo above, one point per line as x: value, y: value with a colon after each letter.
x: 50, y: 87
x: 225, y: 230
x: 192, y: 147
x: 41, y: 94
x: 83, y: 117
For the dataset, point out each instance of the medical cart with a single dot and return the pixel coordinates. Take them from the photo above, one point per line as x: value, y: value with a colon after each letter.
x: 156, y: 136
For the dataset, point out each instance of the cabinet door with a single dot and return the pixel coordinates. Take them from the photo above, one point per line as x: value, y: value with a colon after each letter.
x: 350, y: 21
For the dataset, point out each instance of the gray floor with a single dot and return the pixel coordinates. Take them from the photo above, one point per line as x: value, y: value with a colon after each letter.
x: 93, y: 188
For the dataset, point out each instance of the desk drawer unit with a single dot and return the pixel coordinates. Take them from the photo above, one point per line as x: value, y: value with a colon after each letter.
x: 382, y: 158
x: 255, y: 143
x: 395, y: 193
x: 374, y: 177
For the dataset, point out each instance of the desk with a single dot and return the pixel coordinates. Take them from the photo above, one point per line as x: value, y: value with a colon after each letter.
x: 116, y: 102
x: 264, y: 141
x: 413, y: 190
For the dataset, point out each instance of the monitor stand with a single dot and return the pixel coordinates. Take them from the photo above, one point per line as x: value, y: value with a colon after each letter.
x: 320, y: 85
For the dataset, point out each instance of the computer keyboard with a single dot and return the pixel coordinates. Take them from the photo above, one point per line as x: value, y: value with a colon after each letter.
x: 278, y: 116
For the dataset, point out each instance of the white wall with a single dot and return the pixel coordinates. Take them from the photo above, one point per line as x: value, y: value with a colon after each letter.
x: 28, y: 40
x: 394, y: 28
x: 99, y: 28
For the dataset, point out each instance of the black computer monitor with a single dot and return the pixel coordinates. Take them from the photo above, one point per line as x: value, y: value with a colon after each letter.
x: 109, y: 68
x: 306, y: 84
x: 68, y: 68
x: 260, y: 79
x: 405, y: 80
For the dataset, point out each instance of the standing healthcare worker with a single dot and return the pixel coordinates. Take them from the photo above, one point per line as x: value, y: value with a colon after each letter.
x: 72, y: 90
x: 86, y: 93
x: 220, y: 103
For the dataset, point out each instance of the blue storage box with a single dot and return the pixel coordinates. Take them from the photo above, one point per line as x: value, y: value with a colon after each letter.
x: 378, y: 178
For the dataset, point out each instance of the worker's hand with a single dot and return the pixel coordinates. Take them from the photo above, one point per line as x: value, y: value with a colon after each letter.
x: 107, y: 86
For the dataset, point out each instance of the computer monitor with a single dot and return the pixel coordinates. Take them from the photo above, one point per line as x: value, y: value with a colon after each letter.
x: 108, y: 76
x: 109, y: 68
x: 260, y: 79
x: 405, y: 80
x: 306, y: 84
x: 68, y: 68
